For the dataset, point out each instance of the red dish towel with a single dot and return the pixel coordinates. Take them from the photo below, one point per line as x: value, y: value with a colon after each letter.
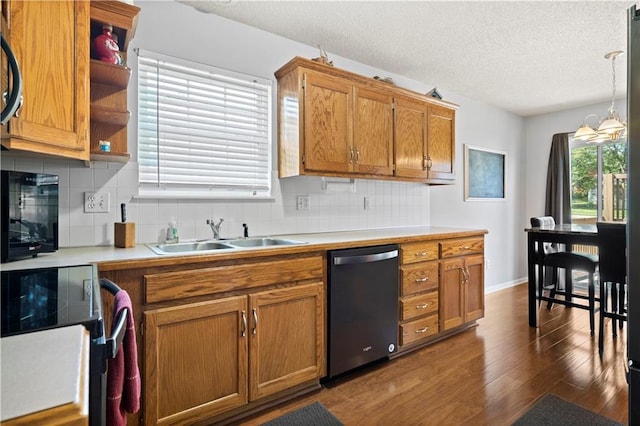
x: 123, y: 376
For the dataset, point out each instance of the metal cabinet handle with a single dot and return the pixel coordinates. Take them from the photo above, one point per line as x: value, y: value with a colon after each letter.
x: 422, y: 330
x: 350, y: 154
x: 243, y: 331
x: 467, y: 247
x: 5, y: 99
x: 422, y: 253
x: 421, y: 280
x: 424, y: 163
x: 357, y: 155
x: 255, y: 321
x: 429, y: 163
x: 423, y: 306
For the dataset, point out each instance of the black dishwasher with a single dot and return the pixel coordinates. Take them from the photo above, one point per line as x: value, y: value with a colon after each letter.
x: 363, y: 306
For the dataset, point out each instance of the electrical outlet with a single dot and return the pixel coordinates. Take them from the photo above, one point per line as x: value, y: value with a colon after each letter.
x: 97, y: 202
x: 302, y: 202
x: 487, y: 263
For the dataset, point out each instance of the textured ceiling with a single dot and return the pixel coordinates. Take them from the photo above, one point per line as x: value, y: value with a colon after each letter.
x: 527, y: 57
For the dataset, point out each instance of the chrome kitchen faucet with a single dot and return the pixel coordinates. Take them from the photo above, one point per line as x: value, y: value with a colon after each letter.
x: 215, y: 228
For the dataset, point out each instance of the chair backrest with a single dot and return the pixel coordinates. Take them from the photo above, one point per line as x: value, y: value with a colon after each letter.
x: 544, y: 222
x: 612, y: 251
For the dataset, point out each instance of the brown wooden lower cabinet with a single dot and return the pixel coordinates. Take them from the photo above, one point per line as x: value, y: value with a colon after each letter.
x: 204, y: 359
x: 223, y: 337
x: 462, y: 290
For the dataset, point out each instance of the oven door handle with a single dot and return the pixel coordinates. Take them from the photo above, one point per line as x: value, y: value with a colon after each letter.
x: 114, y: 341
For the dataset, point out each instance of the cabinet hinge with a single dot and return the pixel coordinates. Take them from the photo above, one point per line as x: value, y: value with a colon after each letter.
x: 304, y: 82
x: 393, y: 167
x: 142, y: 328
x: 303, y: 159
x: 393, y: 105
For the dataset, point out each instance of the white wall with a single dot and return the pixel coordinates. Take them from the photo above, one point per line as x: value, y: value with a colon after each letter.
x: 179, y: 30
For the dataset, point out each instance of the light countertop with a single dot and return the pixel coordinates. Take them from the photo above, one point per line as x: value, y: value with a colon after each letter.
x: 45, y: 370
x: 106, y: 255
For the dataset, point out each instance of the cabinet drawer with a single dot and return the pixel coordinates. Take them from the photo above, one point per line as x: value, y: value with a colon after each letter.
x: 200, y: 282
x: 415, y: 306
x: 419, y: 252
x: 461, y: 247
x: 419, y: 278
x: 418, y: 329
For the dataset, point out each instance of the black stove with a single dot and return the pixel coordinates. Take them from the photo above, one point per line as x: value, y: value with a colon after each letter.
x: 39, y: 299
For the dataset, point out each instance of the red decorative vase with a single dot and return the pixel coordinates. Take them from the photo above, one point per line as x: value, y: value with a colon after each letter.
x: 105, y: 47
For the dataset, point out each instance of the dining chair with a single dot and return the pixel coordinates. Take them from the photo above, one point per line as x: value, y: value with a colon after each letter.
x: 612, y: 248
x: 550, y: 258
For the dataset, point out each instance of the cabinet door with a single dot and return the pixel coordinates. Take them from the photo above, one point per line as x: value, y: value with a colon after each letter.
x: 452, y: 293
x: 327, y: 124
x: 51, y: 42
x: 373, y: 132
x: 286, y: 338
x: 474, y: 288
x: 195, y: 360
x: 410, y: 134
x: 441, y: 146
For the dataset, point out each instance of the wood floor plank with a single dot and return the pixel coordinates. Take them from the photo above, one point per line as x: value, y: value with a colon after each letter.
x: 488, y: 375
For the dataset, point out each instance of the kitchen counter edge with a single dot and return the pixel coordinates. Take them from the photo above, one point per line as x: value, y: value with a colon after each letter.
x: 110, y: 258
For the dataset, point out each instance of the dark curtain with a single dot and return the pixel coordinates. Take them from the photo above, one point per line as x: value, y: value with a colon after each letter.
x: 558, y: 198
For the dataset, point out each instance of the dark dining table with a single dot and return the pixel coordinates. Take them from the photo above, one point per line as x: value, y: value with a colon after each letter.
x: 568, y: 234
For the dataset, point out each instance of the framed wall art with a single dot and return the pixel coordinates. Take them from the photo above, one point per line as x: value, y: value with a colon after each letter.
x: 485, y: 172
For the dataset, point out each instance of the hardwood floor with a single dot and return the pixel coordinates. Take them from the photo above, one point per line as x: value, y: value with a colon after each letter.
x: 488, y: 375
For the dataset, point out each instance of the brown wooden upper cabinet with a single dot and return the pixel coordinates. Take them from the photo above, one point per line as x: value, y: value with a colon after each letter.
x: 54, y: 63
x: 333, y: 122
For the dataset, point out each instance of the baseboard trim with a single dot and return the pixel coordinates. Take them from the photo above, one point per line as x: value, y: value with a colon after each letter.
x: 505, y: 285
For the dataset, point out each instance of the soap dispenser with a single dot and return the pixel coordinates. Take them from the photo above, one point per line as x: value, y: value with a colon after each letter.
x: 172, y: 231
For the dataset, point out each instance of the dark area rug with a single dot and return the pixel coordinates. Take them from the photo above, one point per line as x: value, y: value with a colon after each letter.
x: 552, y: 410
x: 314, y: 414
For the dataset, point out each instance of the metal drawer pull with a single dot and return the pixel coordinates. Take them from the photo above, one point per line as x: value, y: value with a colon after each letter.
x: 422, y: 330
x: 422, y: 253
x: 421, y: 280
x: 467, y: 247
x: 255, y: 321
x: 423, y: 306
x: 243, y: 331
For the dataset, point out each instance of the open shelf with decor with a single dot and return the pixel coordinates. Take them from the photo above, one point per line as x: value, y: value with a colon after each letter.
x: 109, y: 81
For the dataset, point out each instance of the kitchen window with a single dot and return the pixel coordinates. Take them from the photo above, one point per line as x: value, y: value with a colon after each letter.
x: 202, y: 131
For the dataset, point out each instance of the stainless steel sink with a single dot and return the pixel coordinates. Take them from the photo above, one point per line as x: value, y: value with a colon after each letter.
x: 263, y: 242
x: 206, y: 246
x: 189, y: 247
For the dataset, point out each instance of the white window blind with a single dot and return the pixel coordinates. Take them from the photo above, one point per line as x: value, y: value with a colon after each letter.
x: 202, y: 131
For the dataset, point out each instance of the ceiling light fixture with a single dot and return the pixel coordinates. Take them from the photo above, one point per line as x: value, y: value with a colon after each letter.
x: 610, y: 127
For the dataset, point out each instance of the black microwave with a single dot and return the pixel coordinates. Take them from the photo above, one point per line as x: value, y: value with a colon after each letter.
x: 29, y: 214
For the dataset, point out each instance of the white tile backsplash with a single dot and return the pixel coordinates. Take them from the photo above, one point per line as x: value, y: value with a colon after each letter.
x: 336, y: 209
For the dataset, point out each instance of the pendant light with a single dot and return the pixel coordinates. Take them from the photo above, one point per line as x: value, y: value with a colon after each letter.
x: 610, y: 127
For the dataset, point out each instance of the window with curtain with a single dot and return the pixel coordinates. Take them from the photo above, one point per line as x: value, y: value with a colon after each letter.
x: 598, y: 181
x: 202, y: 131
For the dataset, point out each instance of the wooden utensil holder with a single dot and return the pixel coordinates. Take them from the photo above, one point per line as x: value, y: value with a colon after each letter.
x: 124, y: 234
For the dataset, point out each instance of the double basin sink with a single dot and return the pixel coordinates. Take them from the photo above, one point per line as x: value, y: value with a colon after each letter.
x: 208, y: 246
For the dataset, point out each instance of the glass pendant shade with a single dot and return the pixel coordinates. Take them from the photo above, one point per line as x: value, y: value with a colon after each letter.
x: 585, y: 133
x: 611, y: 126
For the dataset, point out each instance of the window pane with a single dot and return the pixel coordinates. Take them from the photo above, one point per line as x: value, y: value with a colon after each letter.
x: 614, y: 181
x: 584, y: 183
x: 598, y: 181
